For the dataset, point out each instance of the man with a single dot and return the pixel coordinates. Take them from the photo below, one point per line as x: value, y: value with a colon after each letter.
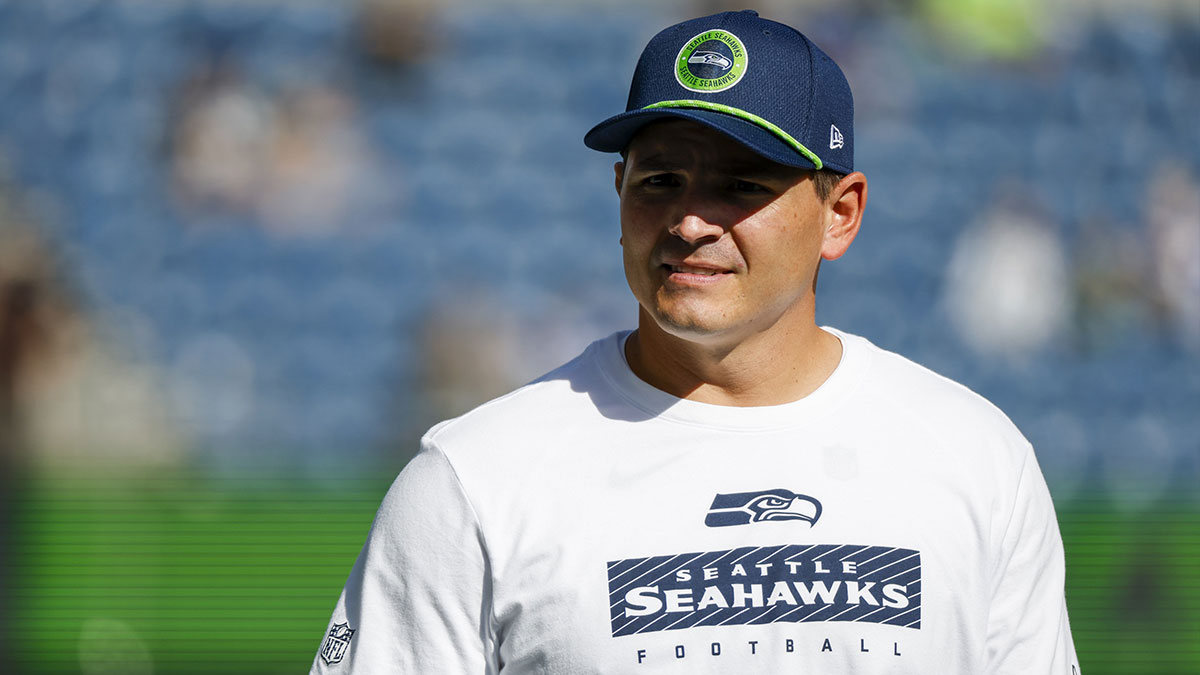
x: 730, y: 488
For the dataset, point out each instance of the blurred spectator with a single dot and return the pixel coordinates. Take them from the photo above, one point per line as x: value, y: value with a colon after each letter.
x: 1173, y: 215
x: 221, y: 140
x: 292, y: 163
x: 398, y: 32
x: 1114, y: 298
x: 36, y: 327
x: 1007, y: 285
x: 469, y: 354
x: 317, y: 162
x: 34, y: 320
x: 476, y: 344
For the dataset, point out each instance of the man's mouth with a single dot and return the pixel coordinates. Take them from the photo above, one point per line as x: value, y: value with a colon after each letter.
x: 688, y: 269
x: 692, y: 269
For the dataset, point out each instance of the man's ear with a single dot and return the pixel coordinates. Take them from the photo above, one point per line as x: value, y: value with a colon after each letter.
x: 845, y: 207
x: 619, y: 170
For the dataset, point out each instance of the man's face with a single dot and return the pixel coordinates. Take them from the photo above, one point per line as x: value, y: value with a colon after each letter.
x: 719, y: 242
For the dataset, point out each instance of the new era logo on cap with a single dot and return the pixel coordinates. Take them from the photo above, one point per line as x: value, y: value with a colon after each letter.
x: 760, y: 82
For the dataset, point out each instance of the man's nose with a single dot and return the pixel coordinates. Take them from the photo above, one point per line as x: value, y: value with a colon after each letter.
x: 693, y: 228
x: 697, y: 220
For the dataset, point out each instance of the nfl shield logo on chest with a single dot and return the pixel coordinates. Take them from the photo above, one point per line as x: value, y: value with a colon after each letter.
x: 336, y: 643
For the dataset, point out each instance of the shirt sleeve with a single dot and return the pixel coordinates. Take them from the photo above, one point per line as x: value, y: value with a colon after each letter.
x: 418, y: 599
x: 1028, y: 628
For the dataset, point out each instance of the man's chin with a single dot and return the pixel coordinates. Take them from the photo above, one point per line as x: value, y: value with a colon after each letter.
x: 690, y: 326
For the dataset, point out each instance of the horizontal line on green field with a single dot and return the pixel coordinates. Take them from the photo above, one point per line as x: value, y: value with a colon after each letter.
x: 183, y: 493
x: 222, y: 607
x: 196, y: 660
x: 158, y: 524
x: 195, y: 663
x: 266, y: 477
x: 179, y: 529
x: 300, y: 538
x: 294, y: 582
x: 173, y: 565
x: 291, y: 621
x: 118, y: 549
x: 188, y: 658
x: 1117, y: 539
x: 324, y: 527
x: 265, y: 592
x: 300, y: 600
x: 317, y: 599
x: 176, y: 576
x: 285, y: 597
x: 89, y: 510
x: 156, y: 515
x: 246, y: 633
x: 33, y: 578
x: 240, y: 491
x: 85, y: 507
x: 188, y: 495
x: 184, y: 663
x: 166, y: 624
x: 317, y: 533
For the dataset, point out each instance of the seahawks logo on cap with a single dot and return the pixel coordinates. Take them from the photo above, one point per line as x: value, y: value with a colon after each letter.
x: 713, y: 61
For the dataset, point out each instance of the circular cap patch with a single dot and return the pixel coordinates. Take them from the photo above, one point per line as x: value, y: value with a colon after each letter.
x: 713, y: 61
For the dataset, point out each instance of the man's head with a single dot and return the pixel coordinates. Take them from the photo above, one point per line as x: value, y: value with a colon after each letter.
x: 730, y: 197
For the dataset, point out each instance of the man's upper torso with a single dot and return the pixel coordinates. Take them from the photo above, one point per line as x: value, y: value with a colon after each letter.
x: 890, y: 522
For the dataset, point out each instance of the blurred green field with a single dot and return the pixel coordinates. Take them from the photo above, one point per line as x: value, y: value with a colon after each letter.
x: 176, y: 573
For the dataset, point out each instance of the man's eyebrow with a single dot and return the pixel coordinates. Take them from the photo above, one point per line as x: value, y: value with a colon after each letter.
x: 751, y: 169
x: 656, y: 162
x: 762, y: 171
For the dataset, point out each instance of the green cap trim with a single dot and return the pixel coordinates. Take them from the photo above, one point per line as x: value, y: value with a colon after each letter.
x: 749, y: 117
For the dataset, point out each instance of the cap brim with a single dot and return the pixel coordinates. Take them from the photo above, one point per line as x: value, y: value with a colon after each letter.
x: 614, y: 133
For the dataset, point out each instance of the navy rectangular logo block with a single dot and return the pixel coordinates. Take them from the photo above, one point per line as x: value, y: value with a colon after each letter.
x: 766, y: 584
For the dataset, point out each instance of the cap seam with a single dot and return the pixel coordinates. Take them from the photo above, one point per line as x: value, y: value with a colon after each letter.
x: 812, y: 85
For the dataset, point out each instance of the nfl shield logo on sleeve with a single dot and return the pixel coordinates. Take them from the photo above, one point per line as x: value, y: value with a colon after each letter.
x: 336, y: 643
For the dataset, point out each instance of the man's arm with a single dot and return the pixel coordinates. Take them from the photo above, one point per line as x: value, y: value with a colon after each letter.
x: 1028, y: 629
x: 419, y: 597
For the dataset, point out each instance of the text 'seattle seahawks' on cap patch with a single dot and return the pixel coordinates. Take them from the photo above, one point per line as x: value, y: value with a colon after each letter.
x: 761, y: 82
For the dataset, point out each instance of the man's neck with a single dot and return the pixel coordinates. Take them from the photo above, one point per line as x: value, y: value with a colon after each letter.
x: 777, y: 366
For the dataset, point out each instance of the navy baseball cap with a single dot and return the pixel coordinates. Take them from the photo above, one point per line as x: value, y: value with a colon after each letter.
x: 760, y: 82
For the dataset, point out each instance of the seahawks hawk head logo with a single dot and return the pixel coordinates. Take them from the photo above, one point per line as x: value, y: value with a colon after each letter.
x: 742, y: 508
x: 711, y: 59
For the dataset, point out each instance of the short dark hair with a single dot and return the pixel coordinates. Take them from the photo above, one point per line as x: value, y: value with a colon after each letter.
x: 824, y: 181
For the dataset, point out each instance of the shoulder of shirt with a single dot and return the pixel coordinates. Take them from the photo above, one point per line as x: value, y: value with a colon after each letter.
x: 933, y: 398
x: 518, y: 412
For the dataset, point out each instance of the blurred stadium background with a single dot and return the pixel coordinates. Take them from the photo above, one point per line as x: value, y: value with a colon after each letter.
x: 251, y: 249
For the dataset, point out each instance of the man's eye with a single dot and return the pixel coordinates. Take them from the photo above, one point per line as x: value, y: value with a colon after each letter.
x: 747, y: 186
x: 661, y: 180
